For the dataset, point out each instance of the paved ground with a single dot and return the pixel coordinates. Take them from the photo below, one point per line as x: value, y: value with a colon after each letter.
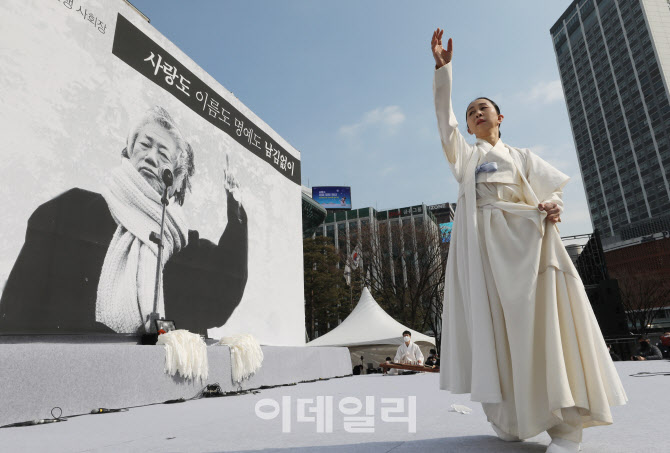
x: 231, y: 423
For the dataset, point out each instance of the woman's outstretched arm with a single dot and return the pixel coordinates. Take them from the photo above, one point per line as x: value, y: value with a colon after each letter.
x: 456, y: 149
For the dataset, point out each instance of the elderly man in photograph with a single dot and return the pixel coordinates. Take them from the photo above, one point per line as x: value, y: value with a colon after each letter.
x: 88, y: 265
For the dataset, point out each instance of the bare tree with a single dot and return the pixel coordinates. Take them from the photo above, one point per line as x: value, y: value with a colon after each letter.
x: 643, y: 299
x: 403, y: 263
x: 326, y: 299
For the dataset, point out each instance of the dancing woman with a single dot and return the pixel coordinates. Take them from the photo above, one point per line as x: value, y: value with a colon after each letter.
x: 520, y: 333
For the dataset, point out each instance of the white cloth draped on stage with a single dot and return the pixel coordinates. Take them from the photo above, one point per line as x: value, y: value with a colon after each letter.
x: 246, y: 355
x: 519, y: 332
x: 186, y: 354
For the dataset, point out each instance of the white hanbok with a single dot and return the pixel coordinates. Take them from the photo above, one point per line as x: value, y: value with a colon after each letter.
x: 519, y: 333
x: 408, y: 354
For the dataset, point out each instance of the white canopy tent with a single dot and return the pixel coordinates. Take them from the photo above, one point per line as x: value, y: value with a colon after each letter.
x: 370, y: 332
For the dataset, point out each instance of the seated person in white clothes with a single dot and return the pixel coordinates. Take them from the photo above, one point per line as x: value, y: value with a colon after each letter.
x: 408, y: 352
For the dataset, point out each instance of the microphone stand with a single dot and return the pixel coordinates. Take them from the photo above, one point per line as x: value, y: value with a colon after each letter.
x: 158, y: 239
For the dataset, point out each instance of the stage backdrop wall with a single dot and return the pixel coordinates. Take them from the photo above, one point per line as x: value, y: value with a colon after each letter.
x: 77, y: 79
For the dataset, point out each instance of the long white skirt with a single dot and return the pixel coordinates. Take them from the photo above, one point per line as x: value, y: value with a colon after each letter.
x: 550, y: 351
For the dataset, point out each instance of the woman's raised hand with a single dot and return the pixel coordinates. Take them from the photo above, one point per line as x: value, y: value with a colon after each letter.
x: 441, y: 56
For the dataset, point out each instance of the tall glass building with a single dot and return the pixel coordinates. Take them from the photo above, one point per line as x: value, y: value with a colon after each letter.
x: 614, y: 62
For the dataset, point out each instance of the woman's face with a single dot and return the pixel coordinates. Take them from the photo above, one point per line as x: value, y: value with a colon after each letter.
x: 482, y: 118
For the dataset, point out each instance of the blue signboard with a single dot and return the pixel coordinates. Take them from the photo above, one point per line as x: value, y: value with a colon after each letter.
x: 445, y: 231
x: 332, y: 197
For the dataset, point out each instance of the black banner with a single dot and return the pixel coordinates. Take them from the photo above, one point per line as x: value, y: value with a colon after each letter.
x: 136, y: 49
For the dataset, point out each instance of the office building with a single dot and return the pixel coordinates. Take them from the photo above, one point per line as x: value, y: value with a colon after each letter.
x: 614, y: 63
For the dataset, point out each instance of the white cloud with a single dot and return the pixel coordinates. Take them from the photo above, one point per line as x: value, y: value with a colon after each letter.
x: 385, y: 117
x: 545, y: 92
x: 562, y: 157
x: 386, y: 171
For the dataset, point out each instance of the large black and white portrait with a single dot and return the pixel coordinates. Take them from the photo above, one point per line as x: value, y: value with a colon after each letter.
x: 106, y: 262
x: 85, y: 138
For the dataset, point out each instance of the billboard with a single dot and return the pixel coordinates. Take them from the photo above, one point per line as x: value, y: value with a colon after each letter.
x: 412, y: 210
x: 445, y: 231
x: 332, y: 197
x: 96, y: 106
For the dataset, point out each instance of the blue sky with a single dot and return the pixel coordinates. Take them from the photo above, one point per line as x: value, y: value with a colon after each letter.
x: 349, y: 84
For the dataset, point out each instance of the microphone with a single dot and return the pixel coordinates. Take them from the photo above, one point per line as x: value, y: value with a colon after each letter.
x: 167, y: 177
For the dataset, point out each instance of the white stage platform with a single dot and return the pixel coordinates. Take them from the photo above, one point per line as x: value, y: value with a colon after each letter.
x: 79, y: 377
x: 231, y: 423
